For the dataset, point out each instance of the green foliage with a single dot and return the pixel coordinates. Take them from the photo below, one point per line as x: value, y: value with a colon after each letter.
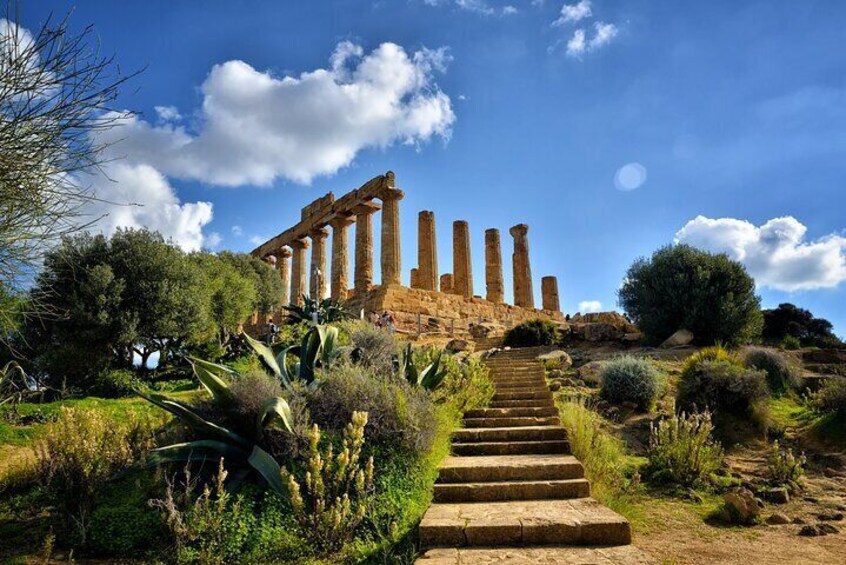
x: 467, y: 385
x: 781, y: 377
x: 682, y: 451
x: 231, y: 294
x: 532, y: 333
x: 208, y: 528
x: 783, y: 466
x: 317, y: 311
x: 630, y: 379
x: 400, y: 417
x: 791, y: 342
x: 80, y: 452
x: 602, y: 454
x: 334, y: 496
x: 117, y: 383
x: 429, y: 377
x: 266, y: 280
x: 121, y: 523
x: 831, y: 398
x: 736, y: 396
x: 373, y: 346
x: 797, y: 325
x: 683, y: 287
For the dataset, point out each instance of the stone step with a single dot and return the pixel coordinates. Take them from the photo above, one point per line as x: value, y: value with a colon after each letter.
x: 512, y: 490
x: 531, y: 394
x: 526, y: 433
x: 527, y: 383
x: 511, y: 447
x: 510, y: 468
x: 613, y: 555
x: 534, y: 411
x: 511, y: 422
x: 578, y: 521
x: 519, y: 380
x: 541, y: 403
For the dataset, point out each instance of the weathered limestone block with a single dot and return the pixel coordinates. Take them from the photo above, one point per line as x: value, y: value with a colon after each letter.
x: 549, y: 292
x: 283, y: 265
x: 340, y: 257
x: 414, y: 278
x: 427, y: 251
x: 446, y: 282
x: 364, y: 246
x: 523, y: 293
x: 462, y: 269
x: 493, y: 267
x: 317, y: 285
x: 298, y: 271
x: 391, y: 265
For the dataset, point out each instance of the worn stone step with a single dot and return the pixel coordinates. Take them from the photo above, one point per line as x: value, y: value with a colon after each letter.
x: 531, y: 394
x: 521, y: 387
x: 512, y: 490
x: 536, y: 411
x: 511, y: 447
x: 578, y: 521
x: 526, y: 433
x: 511, y: 422
x: 534, y: 381
x: 613, y: 555
x: 510, y: 468
x: 539, y: 403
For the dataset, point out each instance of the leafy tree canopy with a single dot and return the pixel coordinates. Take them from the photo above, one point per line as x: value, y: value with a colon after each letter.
x: 790, y: 320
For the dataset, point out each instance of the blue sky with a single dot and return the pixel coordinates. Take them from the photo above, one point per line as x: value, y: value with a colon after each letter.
x: 611, y: 128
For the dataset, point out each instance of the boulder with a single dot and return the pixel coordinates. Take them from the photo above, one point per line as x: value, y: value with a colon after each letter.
x: 603, y: 326
x: 560, y: 359
x: 681, y: 338
x: 486, y: 329
x: 741, y: 507
x: 632, y: 337
x: 589, y: 372
x: 456, y: 345
x: 601, y: 332
x: 777, y: 519
x: 777, y: 495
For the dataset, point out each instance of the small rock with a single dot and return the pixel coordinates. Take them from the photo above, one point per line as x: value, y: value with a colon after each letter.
x: 457, y: 345
x: 571, y: 382
x: 830, y: 516
x: 831, y: 473
x: 561, y: 358
x: 742, y: 507
x: 798, y: 520
x: 777, y: 519
x: 809, y: 531
x: 777, y: 495
x: 811, y: 499
x: 694, y: 496
x: 681, y: 338
x: 824, y: 529
x: 554, y: 386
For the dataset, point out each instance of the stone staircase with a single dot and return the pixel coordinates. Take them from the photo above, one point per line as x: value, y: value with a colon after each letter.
x: 511, y: 493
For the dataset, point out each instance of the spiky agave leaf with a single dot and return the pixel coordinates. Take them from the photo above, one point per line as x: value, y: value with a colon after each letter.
x: 193, y: 420
x: 210, y: 376
x: 276, y: 411
x: 431, y: 377
x: 266, y: 355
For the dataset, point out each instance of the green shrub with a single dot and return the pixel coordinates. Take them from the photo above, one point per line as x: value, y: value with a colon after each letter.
x: 467, y: 385
x: 798, y: 325
x: 630, y: 379
x: 831, y: 398
x: 791, y: 342
x: 726, y: 388
x: 783, y: 466
x: 781, y: 377
x: 124, y: 528
x: 681, y: 450
x: 683, y: 287
x: 80, y: 452
x: 399, y: 416
x: 207, y: 524
x: 117, y: 383
x: 532, y: 333
x: 334, y: 496
x: 374, y: 346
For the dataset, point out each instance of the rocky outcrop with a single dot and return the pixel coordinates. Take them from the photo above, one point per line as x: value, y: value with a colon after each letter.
x: 603, y: 326
x: 681, y: 338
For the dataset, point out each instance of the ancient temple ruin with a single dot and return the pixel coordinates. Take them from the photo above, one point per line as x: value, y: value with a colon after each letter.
x: 435, y: 301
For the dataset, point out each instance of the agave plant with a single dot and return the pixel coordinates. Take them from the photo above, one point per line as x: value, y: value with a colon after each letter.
x: 217, y: 441
x: 317, y: 311
x: 430, y: 377
x: 318, y: 349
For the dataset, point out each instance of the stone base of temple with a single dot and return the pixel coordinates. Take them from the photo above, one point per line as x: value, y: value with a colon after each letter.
x: 440, y: 311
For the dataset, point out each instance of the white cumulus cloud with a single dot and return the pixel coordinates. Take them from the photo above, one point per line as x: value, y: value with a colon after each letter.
x: 576, y: 44
x: 256, y: 127
x: 588, y: 306
x: 776, y: 253
x: 604, y: 33
x: 571, y: 13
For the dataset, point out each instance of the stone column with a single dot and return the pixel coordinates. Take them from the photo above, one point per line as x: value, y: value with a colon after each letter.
x: 549, y: 292
x: 446, y: 282
x: 364, y: 246
x: 317, y: 285
x: 391, y: 264
x: 523, y: 294
x: 462, y: 268
x: 493, y: 267
x: 340, y: 257
x: 283, y: 264
x: 427, y: 251
x: 298, y: 271
x: 414, y: 278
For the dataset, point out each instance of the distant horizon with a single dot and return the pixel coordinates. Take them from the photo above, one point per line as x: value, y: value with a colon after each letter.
x: 610, y: 129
